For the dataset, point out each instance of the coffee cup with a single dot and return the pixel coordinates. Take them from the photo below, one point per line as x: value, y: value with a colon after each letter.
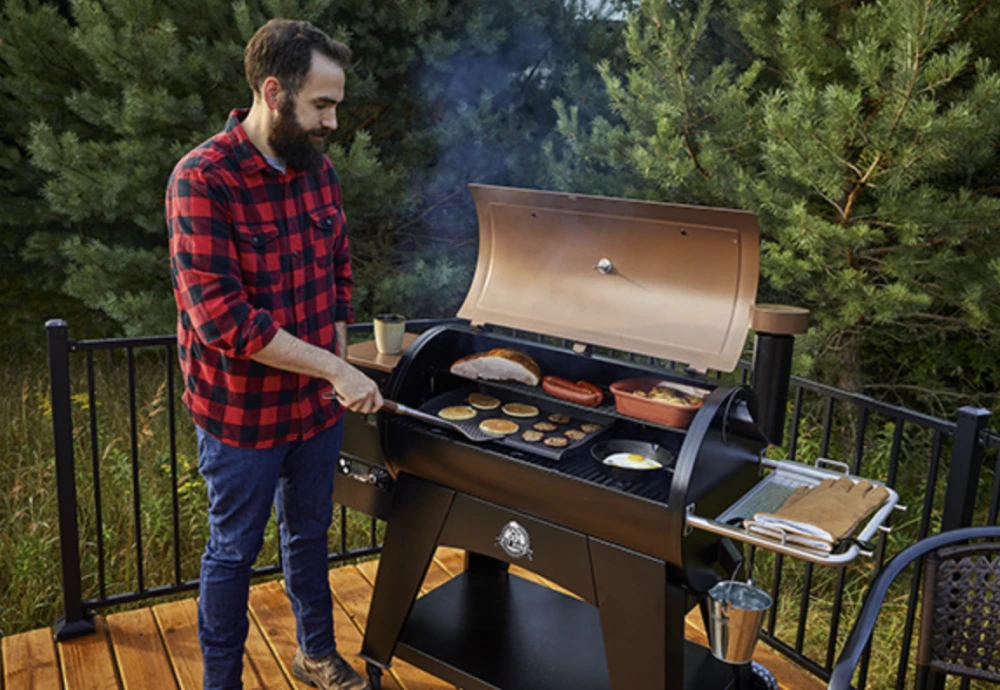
x: 389, y: 329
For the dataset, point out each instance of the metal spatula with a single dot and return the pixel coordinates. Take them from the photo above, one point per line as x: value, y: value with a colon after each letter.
x: 468, y: 429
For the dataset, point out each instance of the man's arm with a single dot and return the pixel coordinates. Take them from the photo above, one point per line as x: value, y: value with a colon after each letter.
x: 340, y: 331
x: 354, y: 390
x: 205, y: 268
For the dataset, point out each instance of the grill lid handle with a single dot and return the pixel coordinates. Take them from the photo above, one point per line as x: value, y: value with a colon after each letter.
x: 604, y: 266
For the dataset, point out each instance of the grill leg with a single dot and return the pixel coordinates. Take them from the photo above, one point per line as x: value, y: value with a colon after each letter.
x: 418, y: 513
x: 375, y: 677
x: 642, y: 619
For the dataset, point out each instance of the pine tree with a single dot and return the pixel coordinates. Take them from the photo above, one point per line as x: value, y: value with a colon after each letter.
x: 863, y: 134
x: 39, y: 65
x: 444, y: 92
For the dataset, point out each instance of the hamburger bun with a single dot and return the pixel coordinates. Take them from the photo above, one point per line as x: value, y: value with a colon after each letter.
x: 457, y: 413
x: 498, y: 427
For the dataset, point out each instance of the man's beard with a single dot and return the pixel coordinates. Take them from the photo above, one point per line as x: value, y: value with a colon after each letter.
x: 299, y: 149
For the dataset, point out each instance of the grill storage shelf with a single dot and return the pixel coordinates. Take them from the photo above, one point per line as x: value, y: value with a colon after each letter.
x: 517, y: 635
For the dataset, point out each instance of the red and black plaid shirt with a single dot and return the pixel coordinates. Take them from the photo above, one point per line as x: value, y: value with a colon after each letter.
x: 253, y: 250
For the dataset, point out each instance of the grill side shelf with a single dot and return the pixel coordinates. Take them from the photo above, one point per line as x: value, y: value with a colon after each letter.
x: 768, y: 495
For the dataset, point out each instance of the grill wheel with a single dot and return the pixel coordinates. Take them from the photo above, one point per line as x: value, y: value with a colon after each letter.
x: 761, y: 678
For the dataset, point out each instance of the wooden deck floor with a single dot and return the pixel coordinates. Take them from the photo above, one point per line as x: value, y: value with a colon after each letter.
x: 157, y: 648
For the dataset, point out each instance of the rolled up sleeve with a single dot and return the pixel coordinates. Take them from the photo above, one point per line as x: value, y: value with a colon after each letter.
x: 205, y: 268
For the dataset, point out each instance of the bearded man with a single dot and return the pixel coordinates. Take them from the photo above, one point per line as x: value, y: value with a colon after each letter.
x: 262, y: 277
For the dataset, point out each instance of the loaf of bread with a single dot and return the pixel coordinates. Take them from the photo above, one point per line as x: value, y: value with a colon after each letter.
x: 501, y: 364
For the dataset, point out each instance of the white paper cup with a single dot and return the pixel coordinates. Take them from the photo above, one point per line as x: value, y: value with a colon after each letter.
x: 389, y: 329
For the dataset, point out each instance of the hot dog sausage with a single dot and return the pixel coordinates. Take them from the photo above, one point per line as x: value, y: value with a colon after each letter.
x: 573, y: 392
x: 593, y: 389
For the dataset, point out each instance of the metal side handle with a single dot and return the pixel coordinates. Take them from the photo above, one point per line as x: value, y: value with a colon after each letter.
x: 771, y: 544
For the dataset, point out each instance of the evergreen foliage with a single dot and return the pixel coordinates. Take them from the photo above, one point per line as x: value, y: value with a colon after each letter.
x: 863, y: 134
x: 444, y: 92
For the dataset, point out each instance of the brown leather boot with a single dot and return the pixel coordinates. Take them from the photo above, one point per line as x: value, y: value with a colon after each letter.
x: 329, y: 673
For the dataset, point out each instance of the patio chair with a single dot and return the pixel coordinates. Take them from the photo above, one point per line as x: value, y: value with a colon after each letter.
x: 960, y: 613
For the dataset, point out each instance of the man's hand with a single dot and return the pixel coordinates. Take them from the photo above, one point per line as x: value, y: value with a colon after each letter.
x: 357, y: 392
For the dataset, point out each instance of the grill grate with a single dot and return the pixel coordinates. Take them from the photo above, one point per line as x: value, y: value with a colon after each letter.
x: 578, y: 464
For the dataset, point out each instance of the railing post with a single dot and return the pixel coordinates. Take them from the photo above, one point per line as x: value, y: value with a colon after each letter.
x: 960, y: 496
x: 966, y: 461
x: 74, y: 621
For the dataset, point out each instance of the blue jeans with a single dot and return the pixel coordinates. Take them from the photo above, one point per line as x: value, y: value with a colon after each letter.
x: 242, y: 484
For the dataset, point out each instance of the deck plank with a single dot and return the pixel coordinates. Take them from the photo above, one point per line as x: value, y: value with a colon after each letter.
x: 435, y: 577
x: 86, y: 662
x: 354, y: 593
x: 273, y: 612
x: 139, y: 652
x: 527, y: 575
x: 178, y: 623
x: 260, y: 660
x: 29, y: 661
x: 451, y: 559
x: 437, y: 574
x: 369, y: 570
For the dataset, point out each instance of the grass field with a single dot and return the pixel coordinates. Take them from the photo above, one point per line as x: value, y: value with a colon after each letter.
x: 30, y: 589
x: 30, y: 593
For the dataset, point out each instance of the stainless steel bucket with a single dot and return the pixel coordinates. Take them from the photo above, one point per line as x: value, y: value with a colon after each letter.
x: 736, y: 613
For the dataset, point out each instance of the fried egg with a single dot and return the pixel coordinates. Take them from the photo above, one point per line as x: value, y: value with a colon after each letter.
x: 632, y: 461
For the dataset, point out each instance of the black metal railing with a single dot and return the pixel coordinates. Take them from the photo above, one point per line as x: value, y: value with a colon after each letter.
x: 941, y: 468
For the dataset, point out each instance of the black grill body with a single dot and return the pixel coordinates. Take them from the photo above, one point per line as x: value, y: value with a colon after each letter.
x: 621, y: 547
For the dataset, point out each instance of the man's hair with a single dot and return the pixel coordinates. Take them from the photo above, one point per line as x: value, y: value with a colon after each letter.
x: 283, y: 49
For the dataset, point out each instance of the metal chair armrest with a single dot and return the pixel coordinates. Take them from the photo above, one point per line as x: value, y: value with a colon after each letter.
x: 843, y: 671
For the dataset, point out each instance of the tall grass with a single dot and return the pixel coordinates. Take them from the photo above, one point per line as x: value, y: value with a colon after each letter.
x: 30, y: 577
x: 30, y: 593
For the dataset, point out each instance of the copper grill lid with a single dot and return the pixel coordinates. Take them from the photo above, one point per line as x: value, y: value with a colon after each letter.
x: 672, y: 281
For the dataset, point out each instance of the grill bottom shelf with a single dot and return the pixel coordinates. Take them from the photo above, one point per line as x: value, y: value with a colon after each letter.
x: 501, y: 632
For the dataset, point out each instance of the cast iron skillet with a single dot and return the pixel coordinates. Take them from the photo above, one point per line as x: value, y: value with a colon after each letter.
x: 653, y: 451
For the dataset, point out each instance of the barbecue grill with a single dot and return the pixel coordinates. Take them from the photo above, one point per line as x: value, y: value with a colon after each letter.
x: 615, y: 279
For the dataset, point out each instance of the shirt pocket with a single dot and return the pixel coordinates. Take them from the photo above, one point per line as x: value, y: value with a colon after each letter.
x: 259, y: 250
x: 327, y: 225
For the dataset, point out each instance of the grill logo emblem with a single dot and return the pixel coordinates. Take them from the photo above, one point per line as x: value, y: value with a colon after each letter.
x: 515, y: 541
